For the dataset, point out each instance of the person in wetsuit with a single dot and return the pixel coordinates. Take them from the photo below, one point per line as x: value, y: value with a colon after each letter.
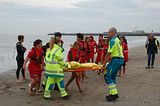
x: 20, y: 57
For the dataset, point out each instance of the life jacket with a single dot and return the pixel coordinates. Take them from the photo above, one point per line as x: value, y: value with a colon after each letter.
x: 88, y: 48
x: 54, y: 62
x: 125, y: 51
x: 72, y: 55
x: 100, y: 46
x: 92, y: 45
x: 82, y: 48
x: 35, y: 58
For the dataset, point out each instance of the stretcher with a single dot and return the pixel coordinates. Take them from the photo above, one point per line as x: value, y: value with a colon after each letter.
x: 83, y: 69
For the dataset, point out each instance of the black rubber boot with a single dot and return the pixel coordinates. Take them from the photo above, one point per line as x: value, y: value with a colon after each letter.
x: 112, y: 98
x: 108, y: 96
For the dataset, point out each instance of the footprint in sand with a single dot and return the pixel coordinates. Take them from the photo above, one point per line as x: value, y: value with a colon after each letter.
x: 4, y: 87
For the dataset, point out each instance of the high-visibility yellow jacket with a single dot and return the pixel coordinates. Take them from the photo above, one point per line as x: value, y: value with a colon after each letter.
x: 54, y: 62
x: 115, y: 47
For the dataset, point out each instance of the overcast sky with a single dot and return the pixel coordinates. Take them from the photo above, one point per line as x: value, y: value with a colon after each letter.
x: 45, y: 16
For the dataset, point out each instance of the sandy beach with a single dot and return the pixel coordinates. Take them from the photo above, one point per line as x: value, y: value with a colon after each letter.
x: 140, y: 87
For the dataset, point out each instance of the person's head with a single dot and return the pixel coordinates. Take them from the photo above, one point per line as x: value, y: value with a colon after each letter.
x: 76, y: 45
x: 87, y: 39
x: 151, y: 36
x: 112, y: 32
x: 106, y: 40
x: 20, y: 38
x: 80, y: 37
x: 100, y: 37
x: 51, y: 42
x: 58, y: 37
x: 123, y: 39
x: 91, y: 38
x: 37, y: 43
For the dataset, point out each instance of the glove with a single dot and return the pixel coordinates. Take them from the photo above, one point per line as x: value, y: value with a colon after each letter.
x: 67, y: 66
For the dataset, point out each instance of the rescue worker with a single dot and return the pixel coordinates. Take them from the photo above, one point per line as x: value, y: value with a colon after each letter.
x: 73, y: 56
x: 54, y: 70
x: 82, y: 52
x: 105, y: 50
x: 99, y: 49
x: 59, y: 42
x: 35, y: 66
x: 92, y: 45
x: 125, y: 53
x: 88, y: 50
x: 103, y: 53
x: 117, y: 60
x: 152, y: 48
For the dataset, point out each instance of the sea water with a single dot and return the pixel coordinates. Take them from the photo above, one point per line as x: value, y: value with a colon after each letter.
x: 8, y: 47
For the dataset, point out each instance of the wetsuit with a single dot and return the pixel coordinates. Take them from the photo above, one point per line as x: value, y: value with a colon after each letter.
x: 20, y: 59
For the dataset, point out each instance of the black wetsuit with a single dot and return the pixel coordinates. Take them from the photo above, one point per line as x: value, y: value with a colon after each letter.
x: 20, y: 59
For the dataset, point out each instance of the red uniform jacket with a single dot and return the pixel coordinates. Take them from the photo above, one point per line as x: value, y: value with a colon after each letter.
x: 92, y: 45
x: 36, y: 59
x: 72, y: 55
x: 82, y: 51
x: 125, y: 51
x: 99, y: 51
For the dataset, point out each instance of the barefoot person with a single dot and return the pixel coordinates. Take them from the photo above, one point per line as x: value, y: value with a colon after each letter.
x: 36, y: 65
x: 20, y: 57
x: 99, y: 49
x: 82, y: 53
x: 116, y: 53
x: 122, y: 71
x: 92, y: 45
x: 73, y: 56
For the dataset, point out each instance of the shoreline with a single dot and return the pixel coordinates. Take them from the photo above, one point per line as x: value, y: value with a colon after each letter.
x: 1, y: 72
x: 140, y: 87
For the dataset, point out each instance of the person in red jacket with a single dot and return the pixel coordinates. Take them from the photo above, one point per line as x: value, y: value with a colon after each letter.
x: 36, y: 66
x: 88, y: 49
x: 104, y: 50
x: 123, y: 40
x: 82, y: 53
x: 99, y: 49
x: 103, y: 53
x: 73, y: 56
x: 93, y: 45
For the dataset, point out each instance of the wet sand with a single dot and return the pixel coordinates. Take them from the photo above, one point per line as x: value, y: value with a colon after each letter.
x: 140, y: 87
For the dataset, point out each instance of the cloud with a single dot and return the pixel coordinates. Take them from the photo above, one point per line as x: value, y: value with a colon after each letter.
x: 149, y: 3
x: 77, y: 15
x: 45, y: 3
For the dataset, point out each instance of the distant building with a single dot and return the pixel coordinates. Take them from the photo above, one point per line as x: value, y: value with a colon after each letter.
x: 139, y: 31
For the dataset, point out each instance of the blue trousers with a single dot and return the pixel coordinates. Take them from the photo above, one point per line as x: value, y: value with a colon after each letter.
x: 112, y: 69
x: 151, y: 56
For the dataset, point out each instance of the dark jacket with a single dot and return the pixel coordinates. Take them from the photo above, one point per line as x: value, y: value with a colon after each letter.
x: 152, y: 45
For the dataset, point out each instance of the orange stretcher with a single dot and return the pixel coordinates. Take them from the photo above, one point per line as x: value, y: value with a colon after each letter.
x: 83, y: 69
